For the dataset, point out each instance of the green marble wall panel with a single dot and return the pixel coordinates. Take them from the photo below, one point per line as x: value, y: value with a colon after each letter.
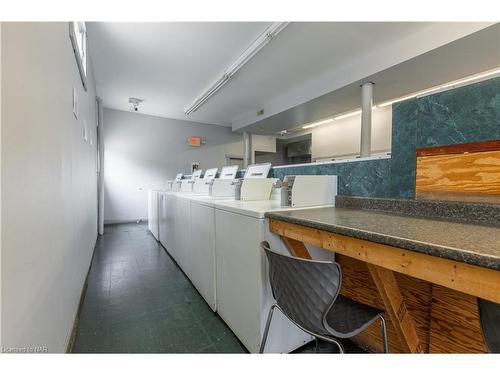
x: 403, y: 149
x: 466, y: 114
x: 367, y: 178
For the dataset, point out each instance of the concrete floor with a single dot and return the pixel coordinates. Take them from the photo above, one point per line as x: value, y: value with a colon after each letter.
x: 139, y: 301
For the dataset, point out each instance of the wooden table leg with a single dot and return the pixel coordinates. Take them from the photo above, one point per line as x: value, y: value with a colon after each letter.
x: 395, y: 307
x: 296, y: 248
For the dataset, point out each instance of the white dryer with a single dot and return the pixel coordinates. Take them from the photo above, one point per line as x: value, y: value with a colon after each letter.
x: 153, y: 223
x: 242, y: 282
x: 202, y: 229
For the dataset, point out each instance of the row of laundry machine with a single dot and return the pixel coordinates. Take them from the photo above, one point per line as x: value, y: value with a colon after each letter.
x: 212, y: 226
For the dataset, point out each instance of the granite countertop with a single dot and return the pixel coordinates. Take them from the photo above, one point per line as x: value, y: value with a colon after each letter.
x: 468, y: 243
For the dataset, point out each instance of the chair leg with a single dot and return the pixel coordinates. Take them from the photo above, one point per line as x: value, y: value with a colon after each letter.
x: 383, y: 329
x: 339, y: 345
x: 317, y: 344
x: 333, y: 341
x: 266, y: 329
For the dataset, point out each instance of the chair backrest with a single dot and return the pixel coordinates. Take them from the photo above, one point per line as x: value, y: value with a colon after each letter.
x: 489, y: 313
x: 304, y: 289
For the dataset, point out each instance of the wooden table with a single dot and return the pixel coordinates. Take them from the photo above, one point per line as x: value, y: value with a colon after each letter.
x: 430, y: 302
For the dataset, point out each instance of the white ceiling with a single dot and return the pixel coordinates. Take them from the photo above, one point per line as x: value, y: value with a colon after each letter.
x: 170, y: 64
x: 166, y: 64
x: 464, y: 57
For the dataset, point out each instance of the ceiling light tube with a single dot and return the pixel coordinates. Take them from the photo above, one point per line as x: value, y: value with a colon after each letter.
x: 314, y: 124
x: 441, y: 87
x: 202, y: 99
x: 256, y: 46
x: 414, y: 95
x: 385, y: 104
x: 473, y: 78
x: 357, y: 112
x: 274, y: 29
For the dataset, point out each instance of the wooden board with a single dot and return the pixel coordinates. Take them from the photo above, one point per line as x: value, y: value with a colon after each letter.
x: 455, y: 325
x: 473, y: 280
x: 396, y: 308
x: 358, y: 285
x: 461, y: 148
x: 296, y: 248
x: 475, y: 173
x: 446, y: 321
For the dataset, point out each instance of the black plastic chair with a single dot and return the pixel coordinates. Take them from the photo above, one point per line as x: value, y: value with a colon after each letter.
x: 307, y: 292
x: 489, y: 315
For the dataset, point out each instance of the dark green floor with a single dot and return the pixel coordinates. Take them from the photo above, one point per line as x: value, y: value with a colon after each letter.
x: 138, y: 301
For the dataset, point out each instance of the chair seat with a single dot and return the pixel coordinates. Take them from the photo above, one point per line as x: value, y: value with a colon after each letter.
x: 490, y: 324
x: 347, y: 317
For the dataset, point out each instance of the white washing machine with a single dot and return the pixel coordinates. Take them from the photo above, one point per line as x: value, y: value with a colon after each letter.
x: 167, y: 221
x: 203, y: 246
x: 166, y: 214
x: 150, y: 210
x: 202, y: 227
x: 161, y: 216
x: 153, y: 223
x: 242, y: 282
x: 177, y: 212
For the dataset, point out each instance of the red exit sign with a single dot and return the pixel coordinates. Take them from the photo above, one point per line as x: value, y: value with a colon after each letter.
x: 194, y: 141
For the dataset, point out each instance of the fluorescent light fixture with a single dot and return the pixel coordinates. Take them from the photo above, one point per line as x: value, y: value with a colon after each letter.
x: 385, y: 104
x: 414, y: 95
x: 317, y: 123
x: 473, y: 78
x: 322, y: 122
x: 274, y: 29
x: 354, y: 113
x: 442, y: 87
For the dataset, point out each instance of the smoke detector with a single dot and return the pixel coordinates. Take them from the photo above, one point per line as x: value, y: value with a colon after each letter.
x: 135, y: 102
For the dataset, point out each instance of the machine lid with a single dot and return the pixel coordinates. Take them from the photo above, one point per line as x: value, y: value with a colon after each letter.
x: 255, y: 209
x: 257, y: 170
x: 210, y: 174
x: 228, y: 172
x: 196, y: 174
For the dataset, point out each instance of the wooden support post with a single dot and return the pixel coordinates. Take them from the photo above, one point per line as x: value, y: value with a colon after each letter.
x: 395, y: 307
x: 296, y: 248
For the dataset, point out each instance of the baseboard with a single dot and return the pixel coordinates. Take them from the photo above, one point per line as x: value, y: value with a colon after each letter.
x: 128, y: 221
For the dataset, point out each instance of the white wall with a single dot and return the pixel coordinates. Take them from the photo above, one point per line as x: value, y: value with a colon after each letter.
x: 49, y: 210
x: 265, y: 143
x: 142, y: 152
x: 0, y: 185
x: 342, y: 137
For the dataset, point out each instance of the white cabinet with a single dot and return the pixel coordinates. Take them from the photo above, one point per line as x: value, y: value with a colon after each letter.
x: 203, y: 251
